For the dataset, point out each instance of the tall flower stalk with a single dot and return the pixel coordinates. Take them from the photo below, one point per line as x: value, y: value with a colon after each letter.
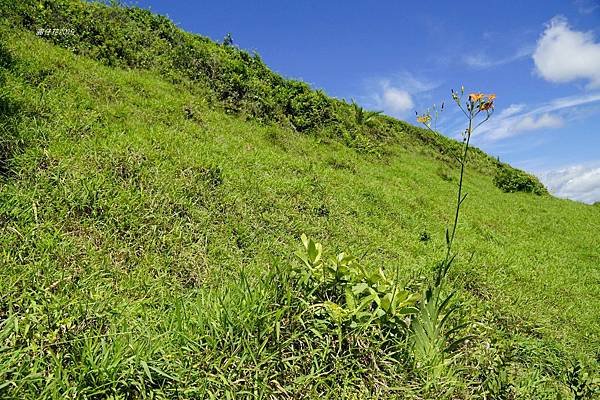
x: 475, y: 105
x: 432, y: 340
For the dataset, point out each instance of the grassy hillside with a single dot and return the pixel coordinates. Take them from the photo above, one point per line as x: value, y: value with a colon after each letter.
x: 147, y: 221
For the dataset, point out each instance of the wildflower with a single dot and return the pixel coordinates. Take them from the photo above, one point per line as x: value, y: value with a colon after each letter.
x: 424, y: 119
x: 488, y: 103
x: 474, y: 97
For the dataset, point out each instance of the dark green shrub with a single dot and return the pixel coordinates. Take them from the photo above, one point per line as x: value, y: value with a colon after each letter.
x: 513, y: 180
x: 310, y: 110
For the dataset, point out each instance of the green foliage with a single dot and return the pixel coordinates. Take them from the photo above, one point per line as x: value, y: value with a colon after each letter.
x: 363, y: 117
x: 433, y: 335
x: 581, y: 383
x: 135, y: 38
x: 308, y: 109
x: 350, y: 293
x: 145, y: 238
x: 513, y: 180
x: 130, y: 37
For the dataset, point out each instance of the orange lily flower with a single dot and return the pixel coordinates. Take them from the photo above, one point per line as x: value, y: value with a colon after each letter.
x: 474, y: 97
x: 424, y: 119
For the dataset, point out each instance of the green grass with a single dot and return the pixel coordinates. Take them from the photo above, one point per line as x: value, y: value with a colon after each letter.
x: 143, y: 232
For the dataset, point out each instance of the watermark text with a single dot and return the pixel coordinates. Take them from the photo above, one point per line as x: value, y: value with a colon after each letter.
x: 55, y: 32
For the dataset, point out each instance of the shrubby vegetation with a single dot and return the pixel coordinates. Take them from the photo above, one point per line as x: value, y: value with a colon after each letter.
x: 131, y: 37
x: 238, y: 81
x: 513, y: 180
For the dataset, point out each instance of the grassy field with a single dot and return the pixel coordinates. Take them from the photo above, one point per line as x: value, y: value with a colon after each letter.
x: 145, y: 233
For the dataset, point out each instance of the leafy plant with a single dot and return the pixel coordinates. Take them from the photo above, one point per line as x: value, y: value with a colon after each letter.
x: 363, y: 117
x: 581, y: 383
x: 309, y: 110
x: 350, y: 293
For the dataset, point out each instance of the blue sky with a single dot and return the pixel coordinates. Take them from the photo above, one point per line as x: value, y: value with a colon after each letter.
x: 541, y: 58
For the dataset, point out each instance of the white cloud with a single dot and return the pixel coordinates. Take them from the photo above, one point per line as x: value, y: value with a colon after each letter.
x: 411, y: 83
x: 564, y: 55
x: 577, y: 182
x: 394, y: 95
x: 396, y: 101
x: 586, y: 6
x: 479, y: 61
x: 510, y: 123
x: 512, y: 110
x: 484, y: 61
x: 532, y: 123
x: 515, y: 119
x: 568, y: 102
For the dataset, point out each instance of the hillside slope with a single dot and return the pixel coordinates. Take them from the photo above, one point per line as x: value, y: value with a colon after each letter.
x: 133, y: 207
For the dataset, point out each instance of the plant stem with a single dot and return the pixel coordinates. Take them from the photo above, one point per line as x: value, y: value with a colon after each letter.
x: 459, y: 198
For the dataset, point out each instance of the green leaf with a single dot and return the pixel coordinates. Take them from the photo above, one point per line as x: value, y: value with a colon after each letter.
x: 344, y: 258
x: 375, y: 297
x: 303, y: 257
x: 146, y: 370
x: 350, y: 301
x: 446, y: 301
x: 304, y: 240
x: 408, y: 311
x: 359, y: 288
x: 386, y: 303
x: 312, y: 251
x: 365, y: 303
x: 163, y: 373
x: 400, y: 297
